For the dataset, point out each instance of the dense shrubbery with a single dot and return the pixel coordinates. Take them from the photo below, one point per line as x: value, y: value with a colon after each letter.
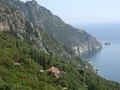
x: 27, y: 75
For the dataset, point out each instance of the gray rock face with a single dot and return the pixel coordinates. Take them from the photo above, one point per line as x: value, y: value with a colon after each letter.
x: 65, y: 33
x: 78, y: 40
x: 11, y: 20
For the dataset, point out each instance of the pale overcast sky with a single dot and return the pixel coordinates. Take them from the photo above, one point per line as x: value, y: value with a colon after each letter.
x: 84, y: 11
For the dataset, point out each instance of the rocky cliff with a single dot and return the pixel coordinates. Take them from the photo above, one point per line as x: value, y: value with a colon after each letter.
x: 11, y: 20
x: 78, y: 40
x: 67, y: 34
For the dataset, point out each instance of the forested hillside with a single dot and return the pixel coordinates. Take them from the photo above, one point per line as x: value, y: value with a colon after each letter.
x: 24, y: 67
x: 32, y: 59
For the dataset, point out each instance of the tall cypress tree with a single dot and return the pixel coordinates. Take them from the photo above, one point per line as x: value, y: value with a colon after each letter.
x: 44, y: 62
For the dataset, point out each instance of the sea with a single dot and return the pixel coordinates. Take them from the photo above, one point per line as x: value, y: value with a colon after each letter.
x: 107, y: 60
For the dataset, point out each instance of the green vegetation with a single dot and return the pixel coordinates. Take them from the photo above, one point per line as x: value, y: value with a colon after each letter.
x: 26, y: 74
x: 24, y: 65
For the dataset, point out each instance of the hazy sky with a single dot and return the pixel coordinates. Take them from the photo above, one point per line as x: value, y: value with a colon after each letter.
x: 84, y: 11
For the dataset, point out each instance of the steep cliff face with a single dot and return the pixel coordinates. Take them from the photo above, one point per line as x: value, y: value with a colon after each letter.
x: 88, y: 46
x: 78, y: 40
x: 71, y: 37
x: 14, y: 22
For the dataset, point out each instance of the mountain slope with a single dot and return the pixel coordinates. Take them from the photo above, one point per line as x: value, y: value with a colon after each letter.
x: 22, y: 67
x: 27, y: 53
x: 78, y: 40
x: 11, y: 20
x: 70, y: 36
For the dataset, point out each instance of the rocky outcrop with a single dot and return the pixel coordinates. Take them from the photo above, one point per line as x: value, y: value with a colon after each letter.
x: 73, y: 38
x: 12, y: 21
x: 78, y: 40
x: 88, y: 46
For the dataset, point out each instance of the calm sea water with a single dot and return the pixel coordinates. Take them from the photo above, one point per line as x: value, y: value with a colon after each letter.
x: 107, y: 61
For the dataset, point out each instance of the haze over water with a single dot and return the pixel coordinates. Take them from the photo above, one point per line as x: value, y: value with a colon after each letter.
x: 107, y: 61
